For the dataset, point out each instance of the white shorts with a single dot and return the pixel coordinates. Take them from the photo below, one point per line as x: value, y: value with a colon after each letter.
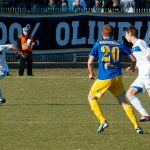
x: 141, y: 83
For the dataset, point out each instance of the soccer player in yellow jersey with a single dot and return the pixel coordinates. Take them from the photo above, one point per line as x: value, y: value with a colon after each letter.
x: 109, y: 52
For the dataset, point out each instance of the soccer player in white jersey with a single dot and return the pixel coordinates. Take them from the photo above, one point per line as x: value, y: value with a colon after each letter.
x: 141, y: 51
x: 4, y: 70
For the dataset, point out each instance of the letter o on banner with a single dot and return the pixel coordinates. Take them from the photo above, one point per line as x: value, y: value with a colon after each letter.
x: 4, y: 33
x: 60, y: 27
x: 14, y: 26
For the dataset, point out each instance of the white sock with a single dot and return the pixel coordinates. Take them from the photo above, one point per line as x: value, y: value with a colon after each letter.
x: 138, y: 106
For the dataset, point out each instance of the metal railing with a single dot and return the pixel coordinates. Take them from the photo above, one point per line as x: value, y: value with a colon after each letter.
x: 66, y: 59
x: 65, y: 56
x: 63, y: 10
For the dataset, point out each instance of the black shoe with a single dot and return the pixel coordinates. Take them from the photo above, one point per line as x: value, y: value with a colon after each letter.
x: 2, y: 101
x: 144, y: 118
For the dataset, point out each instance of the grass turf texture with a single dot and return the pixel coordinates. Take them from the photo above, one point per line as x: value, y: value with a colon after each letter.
x: 49, y: 111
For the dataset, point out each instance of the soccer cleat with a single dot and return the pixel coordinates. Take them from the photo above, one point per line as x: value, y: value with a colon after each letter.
x: 144, y: 118
x: 3, y: 100
x: 102, y: 127
x: 139, y: 130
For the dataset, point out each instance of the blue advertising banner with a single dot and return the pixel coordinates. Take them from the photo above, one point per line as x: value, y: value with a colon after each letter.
x: 70, y: 31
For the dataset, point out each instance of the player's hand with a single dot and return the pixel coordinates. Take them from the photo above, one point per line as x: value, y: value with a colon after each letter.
x: 24, y: 55
x: 129, y: 69
x: 91, y: 76
x: 33, y: 44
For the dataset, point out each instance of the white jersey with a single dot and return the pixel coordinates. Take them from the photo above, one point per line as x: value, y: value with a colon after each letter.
x: 141, y: 51
x: 3, y: 63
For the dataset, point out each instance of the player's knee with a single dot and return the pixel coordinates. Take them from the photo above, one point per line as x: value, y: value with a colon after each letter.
x: 122, y: 98
x: 130, y: 93
x: 91, y: 97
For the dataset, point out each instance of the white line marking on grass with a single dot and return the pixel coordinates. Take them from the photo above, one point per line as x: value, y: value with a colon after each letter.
x: 56, y: 77
x: 59, y: 77
x: 49, y: 122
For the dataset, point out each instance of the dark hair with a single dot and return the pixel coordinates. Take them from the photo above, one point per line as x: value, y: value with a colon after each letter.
x: 108, y: 30
x: 132, y: 30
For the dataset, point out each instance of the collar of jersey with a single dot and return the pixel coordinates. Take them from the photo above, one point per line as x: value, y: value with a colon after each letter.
x: 107, y: 39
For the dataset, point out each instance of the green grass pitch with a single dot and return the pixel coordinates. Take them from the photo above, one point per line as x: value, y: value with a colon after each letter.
x: 50, y: 111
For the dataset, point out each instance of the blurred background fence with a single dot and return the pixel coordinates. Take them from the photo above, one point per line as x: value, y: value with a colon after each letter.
x: 65, y: 56
x: 65, y: 59
x: 54, y: 59
x: 68, y: 33
x: 43, y: 10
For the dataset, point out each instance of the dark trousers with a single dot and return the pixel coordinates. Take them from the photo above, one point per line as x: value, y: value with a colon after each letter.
x: 26, y: 61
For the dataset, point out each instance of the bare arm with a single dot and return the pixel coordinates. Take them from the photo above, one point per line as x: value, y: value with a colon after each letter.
x: 133, y: 64
x: 90, y: 67
x: 14, y: 48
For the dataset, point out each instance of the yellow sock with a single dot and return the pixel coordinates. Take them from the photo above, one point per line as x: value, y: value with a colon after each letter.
x: 97, y: 110
x: 129, y: 111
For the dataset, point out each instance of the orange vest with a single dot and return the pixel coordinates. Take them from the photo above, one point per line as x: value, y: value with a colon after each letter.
x: 24, y: 45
